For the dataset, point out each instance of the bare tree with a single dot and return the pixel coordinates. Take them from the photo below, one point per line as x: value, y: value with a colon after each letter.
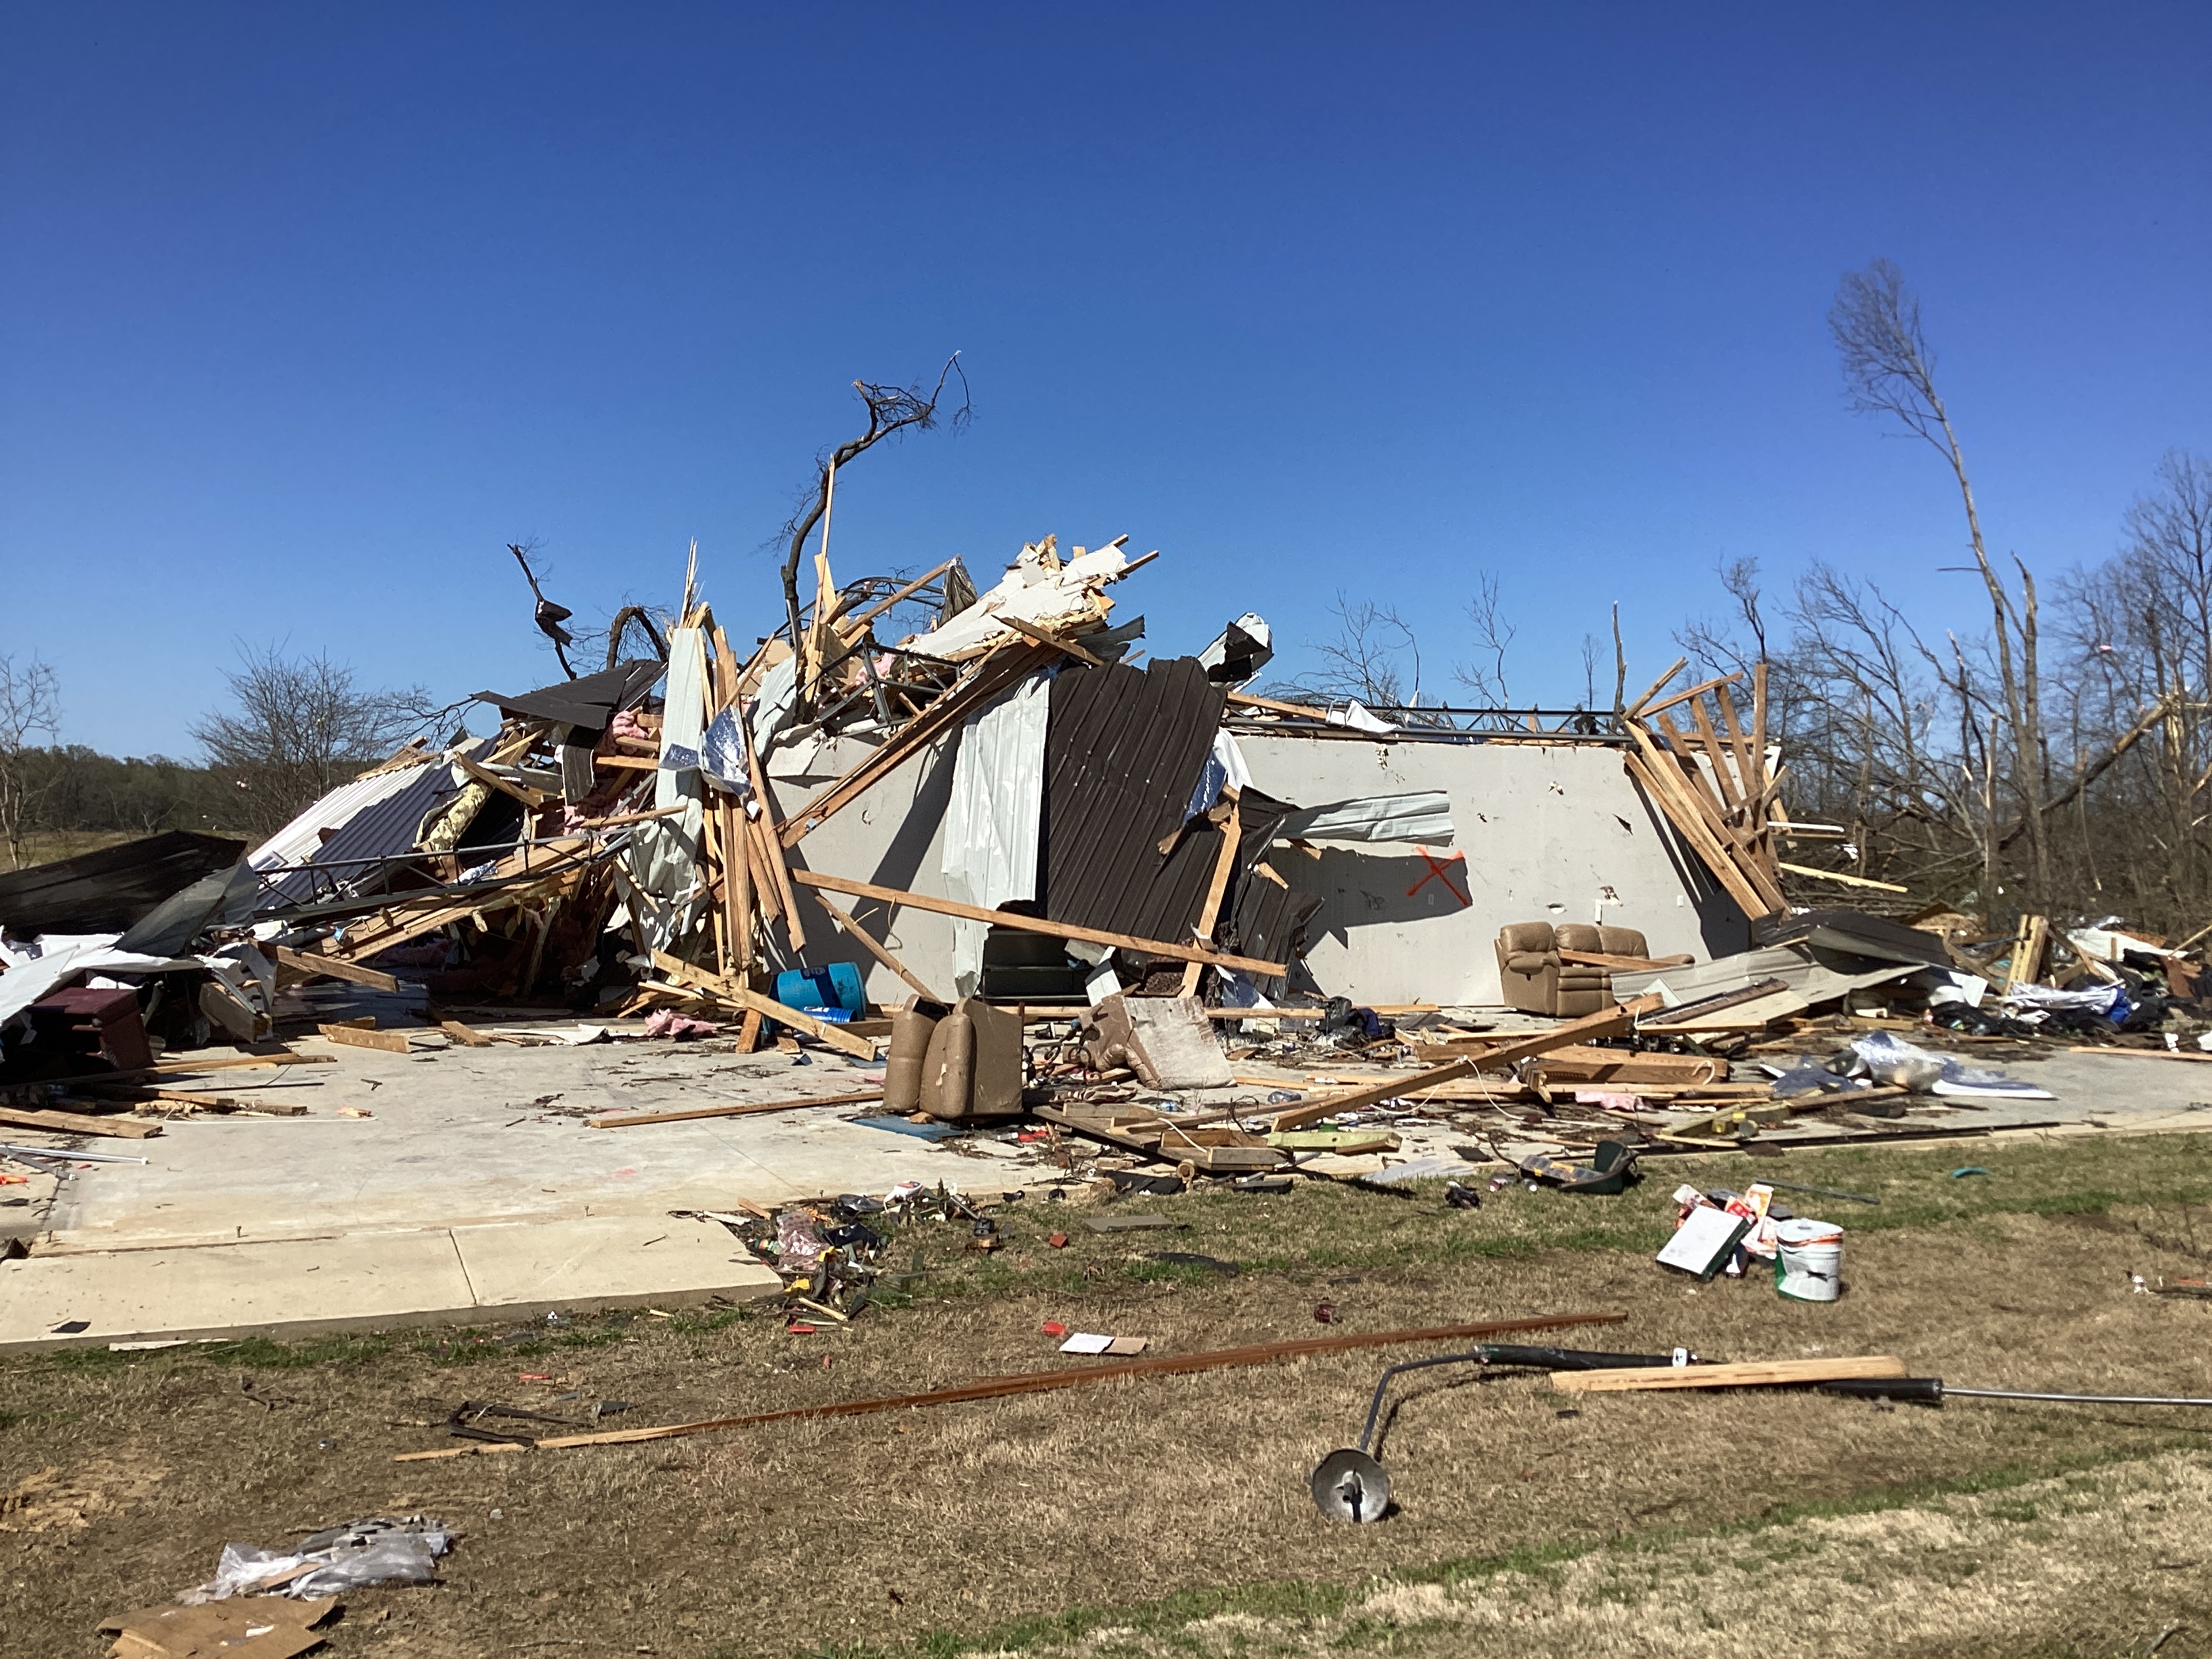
x: 1364, y: 660
x: 30, y: 705
x: 891, y: 410
x: 1890, y: 370
x: 299, y: 727
x: 1485, y: 677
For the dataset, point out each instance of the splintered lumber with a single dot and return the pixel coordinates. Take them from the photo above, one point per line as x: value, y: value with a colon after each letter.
x: 1031, y: 631
x: 1232, y: 838
x: 745, y: 998
x: 319, y: 967
x: 1645, y: 711
x: 867, y: 941
x: 1755, y: 1374
x: 1001, y: 1387
x: 1627, y: 964
x: 1616, y: 1021
x: 77, y: 1123
x: 945, y: 907
x: 156, y: 1101
x: 354, y: 1036
x: 766, y: 837
x: 741, y: 1109
x: 223, y: 1062
x: 1313, y: 1111
x: 1838, y: 877
x: 467, y: 1036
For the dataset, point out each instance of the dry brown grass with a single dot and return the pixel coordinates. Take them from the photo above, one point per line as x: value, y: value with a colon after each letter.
x: 1006, y: 1520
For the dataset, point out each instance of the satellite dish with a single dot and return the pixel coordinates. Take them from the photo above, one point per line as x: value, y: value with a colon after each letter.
x: 1351, y: 1485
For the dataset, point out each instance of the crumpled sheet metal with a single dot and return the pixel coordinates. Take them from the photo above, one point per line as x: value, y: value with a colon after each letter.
x: 994, y: 816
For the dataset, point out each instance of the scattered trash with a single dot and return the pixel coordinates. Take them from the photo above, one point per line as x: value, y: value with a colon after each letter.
x: 1089, y: 1342
x: 270, y: 1626
x: 353, y: 1556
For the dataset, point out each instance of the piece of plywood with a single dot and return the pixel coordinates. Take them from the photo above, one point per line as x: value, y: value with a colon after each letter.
x: 1755, y: 1374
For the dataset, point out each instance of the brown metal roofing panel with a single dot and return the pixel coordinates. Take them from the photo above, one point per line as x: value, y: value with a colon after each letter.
x: 1123, y: 748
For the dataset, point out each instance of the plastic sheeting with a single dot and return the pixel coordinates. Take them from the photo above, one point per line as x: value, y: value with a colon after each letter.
x: 1225, y: 769
x: 1423, y: 816
x: 992, y: 820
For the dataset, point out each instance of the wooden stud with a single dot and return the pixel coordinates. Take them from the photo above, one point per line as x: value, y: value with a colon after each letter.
x: 1036, y: 925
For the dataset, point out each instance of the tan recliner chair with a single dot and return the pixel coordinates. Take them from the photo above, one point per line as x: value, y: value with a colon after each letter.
x: 1536, y: 981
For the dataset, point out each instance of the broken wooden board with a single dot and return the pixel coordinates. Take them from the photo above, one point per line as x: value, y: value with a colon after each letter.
x: 740, y: 1108
x: 945, y: 907
x: 1754, y: 1374
x: 77, y: 1123
x: 358, y: 1036
x: 312, y: 966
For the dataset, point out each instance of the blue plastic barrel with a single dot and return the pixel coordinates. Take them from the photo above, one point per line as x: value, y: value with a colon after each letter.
x: 837, y: 986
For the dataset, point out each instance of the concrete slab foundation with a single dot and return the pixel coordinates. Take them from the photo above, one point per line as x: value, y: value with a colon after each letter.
x: 366, y: 1281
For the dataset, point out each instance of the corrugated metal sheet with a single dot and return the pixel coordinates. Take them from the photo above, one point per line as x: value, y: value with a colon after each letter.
x: 1123, y: 750
x: 372, y: 818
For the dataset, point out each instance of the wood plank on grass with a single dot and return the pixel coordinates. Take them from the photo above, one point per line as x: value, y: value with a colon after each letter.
x: 1755, y: 1374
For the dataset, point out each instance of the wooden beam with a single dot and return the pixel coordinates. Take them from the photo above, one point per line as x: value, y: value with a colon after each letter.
x: 1838, y: 876
x: 77, y: 1123
x: 1645, y: 711
x: 1627, y: 964
x: 1352, y: 1101
x: 744, y: 1108
x: 867, y: 943
x: 224, y: 1062
x: 1616, y: 1021
x: 1232, y: 838
x: 533, y: 799
x: 321, y: 967
x: 467, y: 1036
x: 1657, y: 686
x: 944, y: 906
x: 1755, y: 1374
x: 1031, y: 631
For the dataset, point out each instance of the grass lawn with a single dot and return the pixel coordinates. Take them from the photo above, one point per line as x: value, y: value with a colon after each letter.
x: 1171, y: 1515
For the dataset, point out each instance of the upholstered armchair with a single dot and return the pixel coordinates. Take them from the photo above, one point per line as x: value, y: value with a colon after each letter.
x: 1536, y: 981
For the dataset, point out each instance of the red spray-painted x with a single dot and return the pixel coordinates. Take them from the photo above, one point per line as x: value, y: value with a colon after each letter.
x: 1440, y: 870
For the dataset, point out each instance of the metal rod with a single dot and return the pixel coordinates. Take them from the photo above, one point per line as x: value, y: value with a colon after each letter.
x: 2082, y: 1399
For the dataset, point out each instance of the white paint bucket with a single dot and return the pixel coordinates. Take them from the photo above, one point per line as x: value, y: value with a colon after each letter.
x: 1808, y: 1260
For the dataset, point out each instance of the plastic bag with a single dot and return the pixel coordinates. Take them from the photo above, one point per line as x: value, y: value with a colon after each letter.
x: 373, y: 1551
x: 798, y: 1244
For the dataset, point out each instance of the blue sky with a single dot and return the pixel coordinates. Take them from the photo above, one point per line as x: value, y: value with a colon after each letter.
x: 305, y: 311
